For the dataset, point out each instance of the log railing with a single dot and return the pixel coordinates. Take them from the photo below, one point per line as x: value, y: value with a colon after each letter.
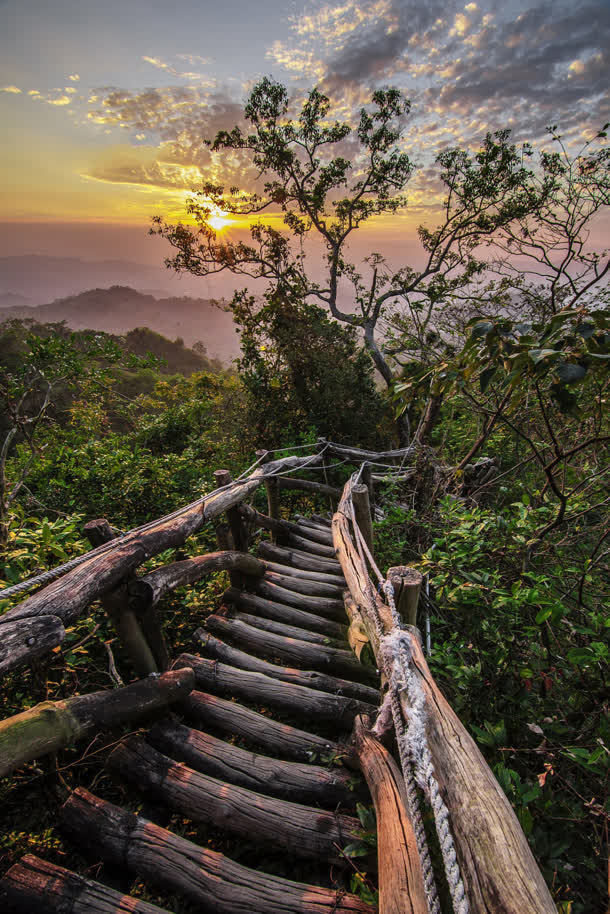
x: 496, y: 865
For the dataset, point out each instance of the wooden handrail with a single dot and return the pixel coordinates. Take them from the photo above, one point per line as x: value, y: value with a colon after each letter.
x: 497, y: 866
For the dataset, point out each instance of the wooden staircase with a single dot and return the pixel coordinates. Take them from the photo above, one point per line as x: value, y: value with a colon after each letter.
x: 281, y: 646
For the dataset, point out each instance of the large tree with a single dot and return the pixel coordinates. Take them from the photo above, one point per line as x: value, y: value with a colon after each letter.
x: 328, y: 178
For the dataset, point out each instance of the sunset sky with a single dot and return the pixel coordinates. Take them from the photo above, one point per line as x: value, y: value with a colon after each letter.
x: 104, y: 106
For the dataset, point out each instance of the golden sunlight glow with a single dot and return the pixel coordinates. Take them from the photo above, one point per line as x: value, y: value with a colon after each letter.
x: 219, y: 220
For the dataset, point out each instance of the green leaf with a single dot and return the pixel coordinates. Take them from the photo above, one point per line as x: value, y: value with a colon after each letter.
x: 569, y: 372
x: 485, y: 377
x: 543, y: 615
x: 541, y: 355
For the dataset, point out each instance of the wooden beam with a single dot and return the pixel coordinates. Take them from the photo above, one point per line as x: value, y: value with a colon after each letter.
x: 23, y: 640
x: 53, y: 725
x: 407, y: 587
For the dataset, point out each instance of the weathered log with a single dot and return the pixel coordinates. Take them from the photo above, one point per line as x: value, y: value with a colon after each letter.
x: 299, y: 559
x: 180, y: 574
x: 34, y: 886
x: 497, y: 866
x: 239, y: 531
x: 50, y: 726
x: 292, y: 631
x: 303, y: 585
x: 362, y: 510
x: 308, y: 485
x: 102, y: 572
x: 309, y: 546
x: 357, y: 635
x: 359, y: 455
x: 303, y: 574
x: 311, y: 656
x: 209, y: 879
x: 225, y: 762
x: 220, y: 678
x: 401, y: 881
x: 283, y: 613
x: 23, y: 640
x: 283, y: 527
x: 232, y: 719
x: 322, y: 518
x: 407, y: 586
x: 323, y: 524
x: 301, y: 830
x: 217, y: 649
x: 324, y: 606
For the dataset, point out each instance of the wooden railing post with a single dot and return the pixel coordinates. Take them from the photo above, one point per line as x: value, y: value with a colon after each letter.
x: 407, y: 587
x: 273, y: 491
x: 362, y: 510
x: 239, y: 531
x: 367, y: 479
x: 116, y: 604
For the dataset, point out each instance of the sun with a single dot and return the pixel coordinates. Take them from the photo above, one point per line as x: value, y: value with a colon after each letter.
x: 218, y: 220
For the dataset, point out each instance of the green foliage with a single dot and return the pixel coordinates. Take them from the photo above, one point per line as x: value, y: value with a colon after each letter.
x: 303, y: 371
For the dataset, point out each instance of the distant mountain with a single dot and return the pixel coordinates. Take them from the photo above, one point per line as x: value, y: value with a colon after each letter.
x: 14, y: 300
x: 121, y: 308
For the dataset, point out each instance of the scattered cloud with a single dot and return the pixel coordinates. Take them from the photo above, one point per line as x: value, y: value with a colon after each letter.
x: 12, y: 90
x: 74, y: 77
x: 179, y: 74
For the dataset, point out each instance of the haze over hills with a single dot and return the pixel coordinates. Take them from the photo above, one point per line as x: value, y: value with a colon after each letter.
x: 121, y: 308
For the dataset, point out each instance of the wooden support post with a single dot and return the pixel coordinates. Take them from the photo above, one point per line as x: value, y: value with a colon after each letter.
x: 401, y: 880
x: 367, y: 479
x: 362, y: 509
x: 116, y: 604
x: 273, y: 492
x: 407, y: 586
x: 239, y: 531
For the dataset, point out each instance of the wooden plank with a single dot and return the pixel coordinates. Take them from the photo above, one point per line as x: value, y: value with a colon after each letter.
x: 233, y: 719
x: 34, y: 886
x: 308, y: 485
x: 210, y: 880
x: 309, y: 602
x: 180, y: 574
x: 215, y: 648
x: 293, y: 781
x: 299, y: 559
x: 309, y: 546
x: 336, y: 580
x: 281, y: 609
x: 301, y: 585
x: 223, y: 679
x: 303, y: 831
x: 292, y: 631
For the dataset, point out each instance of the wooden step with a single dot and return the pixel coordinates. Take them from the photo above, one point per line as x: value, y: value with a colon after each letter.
x: 300, y: 559
x: 220, y: 678
x: 285, y: 612
x: 324, y: 606
x: 289, y: 581
x: 217, y: 649
x: 336, y: 580
x: 33, y: 886
x: 303, y: 831
x: 207, y: 878
x: 233, y: 719
x: 293, y: 781
x: 291, y: 631
x: 309, y: 546
x: 332, y: 660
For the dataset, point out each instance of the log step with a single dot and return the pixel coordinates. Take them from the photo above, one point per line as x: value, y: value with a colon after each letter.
x: 303, y: 831
x: 291, y: 631
x: 283, y: 611
x: 300, y: 585
x: 286, y: 780
x: 216, y: 649
x: 223, y: 679
x: 332, y: 608
x: 209, y: 879
x: 310, y: 546
x: 304, y: 574
x: 335, y: 661
x: 233, y: 719
x: 33, y: 886
x: 300, y: 559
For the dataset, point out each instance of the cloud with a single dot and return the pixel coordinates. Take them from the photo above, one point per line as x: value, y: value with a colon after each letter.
x: 74, y: 77
x: 179, y: 74
x: 12, y: 90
